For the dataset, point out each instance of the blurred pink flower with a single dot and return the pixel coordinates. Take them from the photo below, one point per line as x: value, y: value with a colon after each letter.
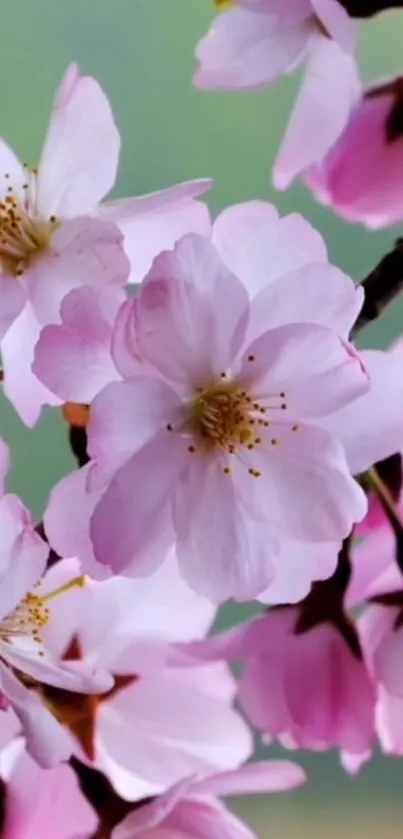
x: 361, y: 174
x: 38, y: 803
x: 381, y: 633
x: 158, y: 723
x: 190, y: 808
x: 254, y: 42
x: 55, y: 238
x: 307, y: 689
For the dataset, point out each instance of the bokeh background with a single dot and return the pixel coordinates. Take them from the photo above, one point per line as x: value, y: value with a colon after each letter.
x: 142, y: 52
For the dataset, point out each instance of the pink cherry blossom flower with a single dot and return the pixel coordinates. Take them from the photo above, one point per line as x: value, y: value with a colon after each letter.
x: 382, y: 637
x: 222, y: 423
x: 287, y: 292
x: 54, y: 237
x: 39, y: 803
x: 191, y: 809
x: 360, y: 175
x: 159, y: 722
x: 306, y: 689
x: 255, y: 41
x: 24, y: 612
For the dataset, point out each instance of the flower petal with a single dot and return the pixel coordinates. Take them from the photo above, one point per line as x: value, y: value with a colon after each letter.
x: 185, y: 298
x: 365, y: 443
x: 124, y: 417
x: 244, y: 49
x: 265, y: 776
x: 80, y: 156
x: 130, y: 530
x: 318, y: 118
x: 83, y: 251
x: 259, y: 247
x: 74, y: 359
x: 46, y: 740
x: 315, y: 370
x: 222, y: 551
x: 23, y: 554
x: 21, y: 386
x: 153, y: 223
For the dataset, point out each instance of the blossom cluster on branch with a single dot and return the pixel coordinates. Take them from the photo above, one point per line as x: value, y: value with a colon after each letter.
x: 232, y: 443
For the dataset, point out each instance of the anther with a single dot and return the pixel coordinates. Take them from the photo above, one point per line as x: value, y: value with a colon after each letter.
x: 295, y: 428
x: 169, y: 426
x: 191, y: 449
x: 226, y: 470
x: 274, y: 441
x: 251, y: 357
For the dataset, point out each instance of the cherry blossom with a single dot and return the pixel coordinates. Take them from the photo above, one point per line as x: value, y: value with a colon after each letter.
x: 38, y: 802
x: 54, y: 237
x: 158, y: 722
x: 255, y: 41
x: 360, y: 174
x: 191, y: 809
x: 307, y: 689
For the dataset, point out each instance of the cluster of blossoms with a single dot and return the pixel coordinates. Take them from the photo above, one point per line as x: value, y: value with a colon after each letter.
x: 232, y: 444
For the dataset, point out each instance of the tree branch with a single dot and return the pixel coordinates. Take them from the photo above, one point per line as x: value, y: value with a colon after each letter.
x: 382, y: 286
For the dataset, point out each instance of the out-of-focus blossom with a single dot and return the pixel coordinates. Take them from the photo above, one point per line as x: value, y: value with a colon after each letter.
x: 191, y: 809
x: 39, y: 802
x: 220, y: 433
x: 255, y: 41
x: 54, y: 238
x: 381, y: 632
x: 360, y: 176
x: 307, y: 689
x: 158, y: 723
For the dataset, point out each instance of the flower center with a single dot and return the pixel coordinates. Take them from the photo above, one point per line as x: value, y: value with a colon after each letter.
x: 23, y: 235
x: 32, y: 614
x: 220, y: 416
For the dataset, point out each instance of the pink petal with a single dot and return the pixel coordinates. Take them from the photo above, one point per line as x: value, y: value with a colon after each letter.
x: 75, y: 676
x: 83, y: 251
x: 337, y: 23
x: 12, y: 299
x: 69, y: 501
x: 305, y: 470
x: 318, y: 117
x: 184, y: 299
x: 74, y: 359
x: 80, y: 156
x: 243, y: 49
x: 374, y: 570
x: 152, y: 813
x: 265, y: 776
x: 125, y: 351
x: 39, y: 801
x: 319, y: 294
x: 367, y: 442
x: 222, y: 551
x: 190, y: 731
x: 200, y: 819
x: 299, y: 564
x: 46, y: 740
x: 388, y: 663
x: 360, y: 177
x: 153, y: 223
x: 23, y: 554
x: 317, y: 371
x: 259, y: 247
x: 21, y: 386
x: 124, y: 417
x: 126, y: 524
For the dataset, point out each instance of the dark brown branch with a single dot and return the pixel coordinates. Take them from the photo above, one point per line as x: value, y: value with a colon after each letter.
x: 382, y: 286
x: 367, y: 8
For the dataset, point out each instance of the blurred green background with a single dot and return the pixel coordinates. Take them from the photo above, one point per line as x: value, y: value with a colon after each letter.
x: 142, y: 52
